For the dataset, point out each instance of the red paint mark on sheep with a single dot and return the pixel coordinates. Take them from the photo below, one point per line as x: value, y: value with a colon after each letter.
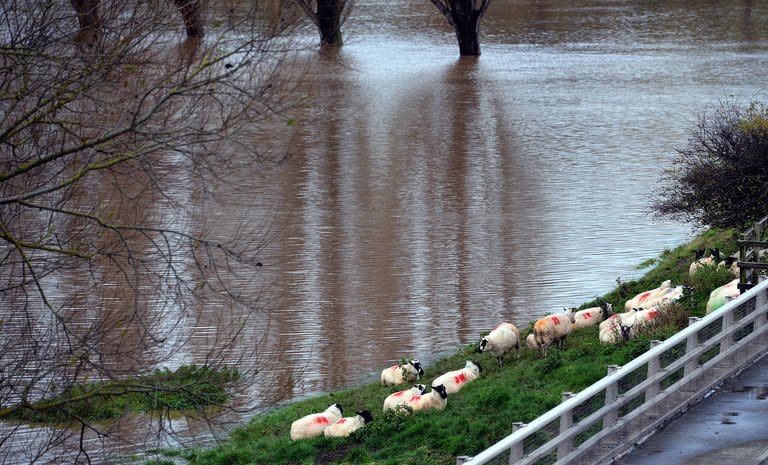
x: 394, y: 367
x: 460, y: 378
x: 587, y: 315
x: 341, y: 421
x: 644, y: 295
x: 556, y: 320
x: 414, y: 399
x: 321, y: 420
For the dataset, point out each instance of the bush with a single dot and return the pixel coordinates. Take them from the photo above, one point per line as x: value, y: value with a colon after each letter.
x: 719, y: 178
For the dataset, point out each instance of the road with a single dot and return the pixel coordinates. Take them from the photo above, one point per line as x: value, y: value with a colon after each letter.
x: 728, y: 427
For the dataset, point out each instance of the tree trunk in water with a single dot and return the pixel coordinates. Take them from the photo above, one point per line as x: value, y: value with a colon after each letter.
x: 466, y: 21
x: 329, y: 22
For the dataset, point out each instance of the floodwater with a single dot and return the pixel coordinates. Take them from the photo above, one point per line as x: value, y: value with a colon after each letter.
x: 427, y: 197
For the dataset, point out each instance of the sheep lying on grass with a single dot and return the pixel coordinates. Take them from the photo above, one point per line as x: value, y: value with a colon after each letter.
x: 456, y: 379
x: 400, y: 397
x: 399, y: 374
x: 592, y: 316
x: 723, y: 295
x: 343, y: 427
x: 312, y: 425
x: 642, y: 299
x: 501, y: 340
x: 700, y: 260
x: 436, y: 399
x: 613, y: 330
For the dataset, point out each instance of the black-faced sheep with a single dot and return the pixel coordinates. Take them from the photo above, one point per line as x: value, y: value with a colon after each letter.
x: 398, y: 398
x: 700, y: 260
x: 501, y: 340
x: 399, y: 374
x: 552, y: 329
x: 613, y: 330
x: 312, y: 425
x: 343, y: 427
x: 456, y: 379
x: 437, y: 399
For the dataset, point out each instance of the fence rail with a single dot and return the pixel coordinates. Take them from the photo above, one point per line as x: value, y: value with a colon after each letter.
x: 604, y: 420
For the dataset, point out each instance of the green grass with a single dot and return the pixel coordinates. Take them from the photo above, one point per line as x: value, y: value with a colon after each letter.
x: 483, y: 412
x: 189, y: 387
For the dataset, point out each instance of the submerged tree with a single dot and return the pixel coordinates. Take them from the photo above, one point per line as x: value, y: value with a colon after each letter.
x: 328, y: 16
x: 719, y: 178
x: 110, y: 157
x: 464, y: 16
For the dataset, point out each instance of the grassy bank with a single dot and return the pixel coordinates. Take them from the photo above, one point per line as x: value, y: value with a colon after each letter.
x: 484, y: 410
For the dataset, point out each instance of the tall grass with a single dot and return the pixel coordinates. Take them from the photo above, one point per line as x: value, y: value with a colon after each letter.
x: 483, y: 412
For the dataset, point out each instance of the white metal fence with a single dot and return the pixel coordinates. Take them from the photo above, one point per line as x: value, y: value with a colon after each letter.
x: 604, y: 420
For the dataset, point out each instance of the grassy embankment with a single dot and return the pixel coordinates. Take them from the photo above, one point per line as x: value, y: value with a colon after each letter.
x: 483, y: 411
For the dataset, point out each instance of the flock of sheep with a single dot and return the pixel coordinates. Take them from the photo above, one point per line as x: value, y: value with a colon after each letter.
x: 641, y: 311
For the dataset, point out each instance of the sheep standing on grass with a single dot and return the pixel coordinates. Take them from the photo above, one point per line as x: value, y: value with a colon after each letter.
x: 592, y: 316
x: 436, y: 399
x: 552, y: 329
x: 530, y: 341
x: 312, y: 425
x: 343, y: 427
x: 501, y: 340
x: 400, y: 397
x: 456, y: 379
x: 399, y: 374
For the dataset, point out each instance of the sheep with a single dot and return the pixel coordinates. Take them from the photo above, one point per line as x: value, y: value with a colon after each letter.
x: 312, y: 425
x: 500, y: 341
x: 722, y: 295
x: 589, y: 317
x: 732, y: 263
x: 552, y: 329
x: 343, y: 427
x: 700, y: 260
x: 437, y: 399
x: 612, y: 331
x: 641, y: 298
x: 672, y: 295
x: 456, y: 379
x: 400, y: 397
x: 530, y: 341
x: 643, y: 318
x: 399, y: 374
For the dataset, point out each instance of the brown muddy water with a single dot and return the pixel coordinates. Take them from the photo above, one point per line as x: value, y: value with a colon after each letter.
x: 426, y: 197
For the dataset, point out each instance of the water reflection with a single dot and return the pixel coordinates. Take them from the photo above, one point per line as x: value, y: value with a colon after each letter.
x: 428, y: 197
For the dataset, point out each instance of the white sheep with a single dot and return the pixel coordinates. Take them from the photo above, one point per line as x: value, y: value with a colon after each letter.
x: 501, y: 340
x: 437, y: 399
x: 592, y: 316
x: 667, y: 298
x: 722, y: 295
x: 400, y: 397
x: 343, y: 427
x: 456, y: 379
x: 612, y: 331
x: 399, y: 374
x: 550, y: 330
x: 640, y: 299
x: 312, y: 425
x: 643, y: 318
x: 701, y: 261
x: 530, y: 341
x: 732, y: 263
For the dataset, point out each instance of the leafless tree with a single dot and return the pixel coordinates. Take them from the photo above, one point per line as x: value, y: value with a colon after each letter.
x: 464, y: 16
x: 109, y: 156
x: 718, y: 179
x: 328, y: 16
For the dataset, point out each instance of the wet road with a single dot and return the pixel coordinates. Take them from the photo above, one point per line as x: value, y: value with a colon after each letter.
x: 728, y: 427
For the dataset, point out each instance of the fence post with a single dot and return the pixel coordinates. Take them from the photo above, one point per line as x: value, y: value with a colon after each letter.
x: 654, y: 365
x: 517, y: 450
x: 611, y: 394
x: 566, y: 421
